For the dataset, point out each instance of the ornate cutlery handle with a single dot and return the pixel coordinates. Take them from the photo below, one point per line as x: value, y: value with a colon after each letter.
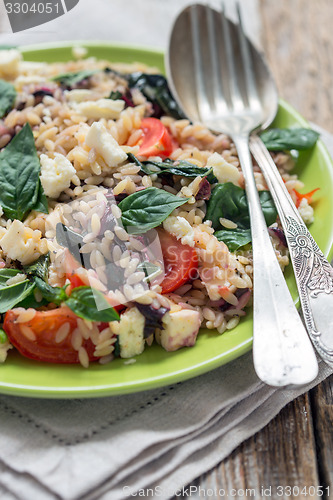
x: 313, y: 273
x: 282, y: 351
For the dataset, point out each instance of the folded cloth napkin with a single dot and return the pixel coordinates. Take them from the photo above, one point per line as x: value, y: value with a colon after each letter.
x: 111, y: 448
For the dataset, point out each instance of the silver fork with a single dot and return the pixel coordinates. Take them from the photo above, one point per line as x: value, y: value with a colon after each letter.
x: 203, y: 44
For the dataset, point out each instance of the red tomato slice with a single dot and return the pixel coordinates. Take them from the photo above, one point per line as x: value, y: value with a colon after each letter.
x: 180, y: 262
x: 156, y: 140
x: 71, y: 265
x: 44, y: 326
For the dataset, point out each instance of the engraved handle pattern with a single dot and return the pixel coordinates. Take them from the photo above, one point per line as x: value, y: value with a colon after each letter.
x: 313, y: 273
x: 314, y: 276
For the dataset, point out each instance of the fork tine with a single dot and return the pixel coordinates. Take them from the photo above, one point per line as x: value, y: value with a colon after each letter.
x: 202, y: 103
x: 251, y: 88
x: 234, y: 91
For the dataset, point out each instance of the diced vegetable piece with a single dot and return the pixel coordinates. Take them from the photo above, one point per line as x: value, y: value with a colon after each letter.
x: 37, y: 338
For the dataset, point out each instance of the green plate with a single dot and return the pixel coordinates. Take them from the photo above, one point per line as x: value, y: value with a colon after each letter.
x: 155, y: 367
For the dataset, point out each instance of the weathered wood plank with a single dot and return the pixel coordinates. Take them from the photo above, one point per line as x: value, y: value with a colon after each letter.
x: 298, y: 43
x: 322, y: 411
x: 283, y: 454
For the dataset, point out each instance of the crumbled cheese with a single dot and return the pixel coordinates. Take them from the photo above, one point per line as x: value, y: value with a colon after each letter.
x: 79, y: 52
x: 131, y: 338
x: 103, y: 108
x: 105, y: 145
x: 4, y: 348
x: 33, y: 68
x: 56, y: 174
x: 306, y: 211
x: 20, y: 242
x: 181, y: 228
x: 9, y: 63
x: 180, y: 329
x: 23, y: 80
x: 77, y: 95
x: 223, y: 171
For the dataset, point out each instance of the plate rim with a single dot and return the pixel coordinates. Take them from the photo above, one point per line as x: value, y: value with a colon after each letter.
x: 199, y: 368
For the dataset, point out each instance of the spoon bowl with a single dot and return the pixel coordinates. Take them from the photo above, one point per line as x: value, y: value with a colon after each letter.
x: 180, y: 65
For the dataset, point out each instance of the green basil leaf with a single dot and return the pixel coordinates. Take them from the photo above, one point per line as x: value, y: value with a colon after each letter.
x: 50, y: 293
x: 229, y: 201
x: 91, y: 304
x: 39, y: 268
x: 19, y: 175
x: 11, y: 295
x: 7, y: 97
x: 116, y: 351
x: 31, y: 301
x: 41, y: 203
x: 148, y: 208
x: 155, y: 88
x: 183, y: 168
x: 3, y: 336
x: 277, y: 139
x: 234, y: 238
x: 71, y: 79
x: 115, y: 95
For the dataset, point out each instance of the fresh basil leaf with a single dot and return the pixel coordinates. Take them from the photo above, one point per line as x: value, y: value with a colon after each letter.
x: 39, y: 268
x: 277, y: 139
x: 156, y: 90
x: 116, y: 351
x: 50, y: 293
x: 11, y: 295
x: 91, y: 304
x: 71, y: 79
x: 7, y: 97
x: 234, y: 238
x: 3, y: 336
x: 31, y: 301
x: 41, y: 203
x: 19, y: 175
x: 150, y: 269
x: 115, y: 95
x: 268, y: 207
x: 182, y: 167
x: 148, y: 208
x: 229, y: 201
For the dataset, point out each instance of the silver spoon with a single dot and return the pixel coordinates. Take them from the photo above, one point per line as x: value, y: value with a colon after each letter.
x: 207, y: 66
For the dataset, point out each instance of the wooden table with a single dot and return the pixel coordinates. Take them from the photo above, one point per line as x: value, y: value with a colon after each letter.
x: 296, y: 448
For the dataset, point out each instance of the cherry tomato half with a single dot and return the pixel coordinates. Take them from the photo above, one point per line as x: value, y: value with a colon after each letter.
x: 180, y: 262
x: 156, y: 140
x: 38, y: 341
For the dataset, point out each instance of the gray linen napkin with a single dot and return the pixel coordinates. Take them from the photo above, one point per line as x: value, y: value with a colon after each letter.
x: 110, y: 448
